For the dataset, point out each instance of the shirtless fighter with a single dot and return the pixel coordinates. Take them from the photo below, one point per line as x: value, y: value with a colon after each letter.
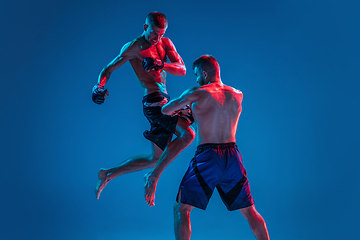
x: 217, y: 161
x: 147, y: 55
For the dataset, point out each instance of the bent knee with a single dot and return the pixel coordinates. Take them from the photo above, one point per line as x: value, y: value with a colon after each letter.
x: 184, y: 130
x: 250, y: 213
x: 152, y: 159
x: 188, y: 135
x: 183, y: 209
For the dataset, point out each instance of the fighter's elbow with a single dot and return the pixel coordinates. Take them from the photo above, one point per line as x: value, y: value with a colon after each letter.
x: 180, y: 70
x: 183, y: 71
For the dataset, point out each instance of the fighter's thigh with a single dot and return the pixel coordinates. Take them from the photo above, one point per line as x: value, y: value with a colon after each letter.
x: 156, y: 151
x: 183, y: 128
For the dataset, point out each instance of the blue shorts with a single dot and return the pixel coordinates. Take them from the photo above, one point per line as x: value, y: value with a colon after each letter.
x: 220, y: 166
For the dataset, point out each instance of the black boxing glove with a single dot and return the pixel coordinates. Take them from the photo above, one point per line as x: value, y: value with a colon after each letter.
x: 99, y: 94
x: 186, y: 113
x: 151, y: 64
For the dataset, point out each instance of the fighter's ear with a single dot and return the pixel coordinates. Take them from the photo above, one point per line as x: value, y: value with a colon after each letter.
x: 204, y: 74
x: 145, y: 26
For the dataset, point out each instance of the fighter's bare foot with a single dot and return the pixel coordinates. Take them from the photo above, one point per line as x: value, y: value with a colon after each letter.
x: 150, y: 188
x: 103, y: 179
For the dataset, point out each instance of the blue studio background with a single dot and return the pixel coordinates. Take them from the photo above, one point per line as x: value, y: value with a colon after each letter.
x: 295, y: 61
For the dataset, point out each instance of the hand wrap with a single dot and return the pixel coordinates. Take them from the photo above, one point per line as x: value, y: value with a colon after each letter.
x: 186, y: 113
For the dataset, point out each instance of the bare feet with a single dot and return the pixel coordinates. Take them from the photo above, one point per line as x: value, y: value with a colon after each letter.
x: 101, y: 182
x: 150, y: 188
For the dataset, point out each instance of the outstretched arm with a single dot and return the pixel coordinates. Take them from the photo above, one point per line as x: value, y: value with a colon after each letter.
x: 176, y: 65
x: 118, y: 61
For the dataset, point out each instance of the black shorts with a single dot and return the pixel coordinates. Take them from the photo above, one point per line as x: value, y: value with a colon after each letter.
x: 162, y: 127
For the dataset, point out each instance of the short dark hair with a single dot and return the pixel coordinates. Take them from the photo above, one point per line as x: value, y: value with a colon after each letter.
x: 207, y: 63
x: 157, y: 19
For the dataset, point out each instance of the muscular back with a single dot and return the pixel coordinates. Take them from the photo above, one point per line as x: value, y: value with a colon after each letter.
x: 217, y: 111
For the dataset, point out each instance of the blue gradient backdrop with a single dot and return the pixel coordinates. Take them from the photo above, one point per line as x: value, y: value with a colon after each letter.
x: 296, y: 62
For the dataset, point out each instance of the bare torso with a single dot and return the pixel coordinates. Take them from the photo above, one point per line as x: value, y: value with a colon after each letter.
x: 135, y: 52
x: 217, y: 111
x: 139, y: 49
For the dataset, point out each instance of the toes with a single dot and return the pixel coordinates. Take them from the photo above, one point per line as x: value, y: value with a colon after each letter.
x: 149, y: 199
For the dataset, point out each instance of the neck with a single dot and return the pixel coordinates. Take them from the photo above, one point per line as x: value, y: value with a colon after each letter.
x: 216, y: 79
x: 143, y: 36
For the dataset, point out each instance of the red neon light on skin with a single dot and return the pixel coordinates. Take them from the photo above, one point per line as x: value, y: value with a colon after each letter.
x: 102, y: 81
